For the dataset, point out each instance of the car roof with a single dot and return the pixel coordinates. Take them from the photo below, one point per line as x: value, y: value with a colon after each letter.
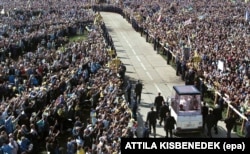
x: 186, y: 90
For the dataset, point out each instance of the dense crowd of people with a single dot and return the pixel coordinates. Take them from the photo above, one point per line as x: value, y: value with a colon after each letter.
x: 215, y: 31
x: 51, y: 86
x: 48, y: 83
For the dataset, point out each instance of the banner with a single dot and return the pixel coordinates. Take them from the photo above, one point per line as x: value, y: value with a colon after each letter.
x: 220, y: 65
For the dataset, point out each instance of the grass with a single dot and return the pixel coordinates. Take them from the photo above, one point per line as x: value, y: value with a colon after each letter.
x: 75, y: 38
x: 78, y: 37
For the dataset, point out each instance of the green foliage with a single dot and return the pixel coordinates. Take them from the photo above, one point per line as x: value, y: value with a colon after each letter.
x: 238, y: 130
x: 209, y: 101
x: 78, y: 38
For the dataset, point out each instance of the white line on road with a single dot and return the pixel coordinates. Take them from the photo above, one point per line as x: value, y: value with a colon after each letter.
x: 149, y: 76
x: 143, y: 66
x: 133, y: 51
x: 138, y: 58
x: 157, y: 88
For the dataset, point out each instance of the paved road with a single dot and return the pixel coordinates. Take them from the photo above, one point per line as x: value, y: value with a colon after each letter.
x: 143, y: 63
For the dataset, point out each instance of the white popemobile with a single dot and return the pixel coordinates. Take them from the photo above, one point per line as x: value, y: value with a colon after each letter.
x: 185, y: 107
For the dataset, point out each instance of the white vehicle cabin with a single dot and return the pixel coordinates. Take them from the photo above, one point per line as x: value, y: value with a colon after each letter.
x: 185, y: 107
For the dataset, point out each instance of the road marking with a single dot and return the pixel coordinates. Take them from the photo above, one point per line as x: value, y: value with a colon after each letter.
x: 138, y: 58
x: 157, y: 88
x: 133, y: 51
x: 142, y: 65
x: 130, y: 46
x: 149, y: 76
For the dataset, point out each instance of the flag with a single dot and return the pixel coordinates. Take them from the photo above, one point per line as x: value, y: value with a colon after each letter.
x: 179, y: 27
x: 159, y: 18
x: 2, y: 12
x: 147, y: 19
x: 247, y: 15
x: 89, y: 30
x: 189, y: 43
x: 95, y: 20
x: 201, y: 17
x: 187, y: 22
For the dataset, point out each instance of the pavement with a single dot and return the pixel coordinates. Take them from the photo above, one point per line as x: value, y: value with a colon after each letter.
x: 143, y: 63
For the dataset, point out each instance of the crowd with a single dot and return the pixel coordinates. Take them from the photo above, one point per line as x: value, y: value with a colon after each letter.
x: 25, y: 24
x: 215, y: 31
x: 47, y: 83
x: 52, y: 87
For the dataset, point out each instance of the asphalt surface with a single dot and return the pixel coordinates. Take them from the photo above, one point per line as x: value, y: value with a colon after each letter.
x: 143, y: 63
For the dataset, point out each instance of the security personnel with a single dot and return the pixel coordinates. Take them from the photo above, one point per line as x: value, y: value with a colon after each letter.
x: 217, y: 112
x: 210, y: 121
x: 169, y: 125
x: 138, y: 90
x: 230, y: 123
x: 204, y: 112
x: 128, y: 92
x: 158, y: 103
x: 163, y: 110
x: 152, y: 120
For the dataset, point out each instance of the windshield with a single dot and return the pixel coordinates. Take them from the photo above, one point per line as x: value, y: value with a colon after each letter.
x: 185, y: 104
